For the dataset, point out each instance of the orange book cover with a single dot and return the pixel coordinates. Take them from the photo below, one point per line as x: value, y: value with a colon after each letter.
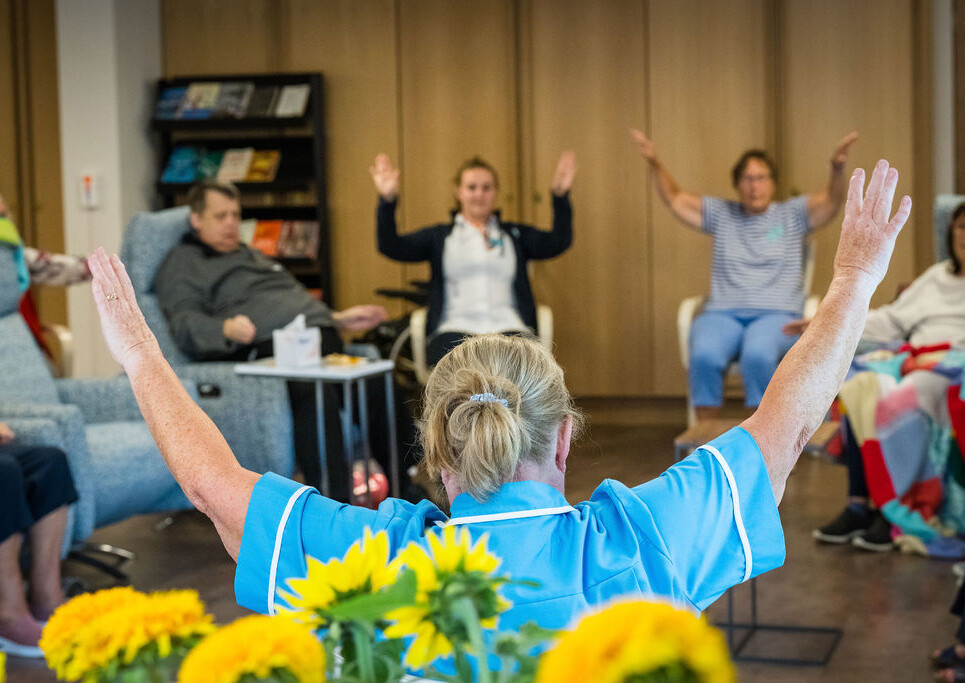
x: 266, y: 237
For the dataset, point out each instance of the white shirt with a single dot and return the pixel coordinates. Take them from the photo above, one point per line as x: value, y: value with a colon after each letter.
x: 930, y: 311
x: 479, y: 271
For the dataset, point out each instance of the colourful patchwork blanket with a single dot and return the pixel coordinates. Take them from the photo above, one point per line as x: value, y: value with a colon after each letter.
x: 906, y: 410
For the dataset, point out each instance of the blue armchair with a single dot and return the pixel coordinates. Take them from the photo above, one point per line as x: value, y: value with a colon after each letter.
x: 117, y: 468
x: 252, y: 412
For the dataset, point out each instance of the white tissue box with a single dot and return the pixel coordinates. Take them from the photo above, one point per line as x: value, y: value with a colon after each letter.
x: 297, y: 348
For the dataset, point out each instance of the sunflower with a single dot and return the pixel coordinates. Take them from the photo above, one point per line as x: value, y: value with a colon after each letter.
x: 634, y: 641
x: 451, y: 574
x: 364, y: 569
x: 257, y: 646
x: 113, y: 628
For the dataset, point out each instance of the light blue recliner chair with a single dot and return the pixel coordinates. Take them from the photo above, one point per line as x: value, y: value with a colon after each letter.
x: 252, y: 413
x: 116, y: 465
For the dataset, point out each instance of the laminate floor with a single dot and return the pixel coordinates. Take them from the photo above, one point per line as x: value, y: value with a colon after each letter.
x: 893, y: 608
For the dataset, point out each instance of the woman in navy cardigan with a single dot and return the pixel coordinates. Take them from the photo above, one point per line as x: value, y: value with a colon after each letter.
x: 479, y: 281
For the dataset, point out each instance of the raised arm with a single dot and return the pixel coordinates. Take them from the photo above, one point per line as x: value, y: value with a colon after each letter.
x: 684, y: 205
x: 412, y: 247
x: 824, y: 206
x: 811, y: 373
x: 192, y: 447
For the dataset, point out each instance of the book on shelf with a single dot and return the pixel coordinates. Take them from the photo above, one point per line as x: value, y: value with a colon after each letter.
x: 246, y: 230
x: 209, y: 161
x: 233, y: 98
x: 263, y: 166
x: 292, y: 100
x: 234, y: 165
x: 266, y: 237
x: 262, y: 102
x: 199, y: 100
x: 169, y: 102
x: 298, y: 239
x: 182, y: 166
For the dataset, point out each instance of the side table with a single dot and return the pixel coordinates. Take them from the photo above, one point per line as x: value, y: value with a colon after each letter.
x: 348, y: 376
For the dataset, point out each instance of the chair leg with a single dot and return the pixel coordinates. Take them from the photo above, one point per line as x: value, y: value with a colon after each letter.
x: 115, y: 558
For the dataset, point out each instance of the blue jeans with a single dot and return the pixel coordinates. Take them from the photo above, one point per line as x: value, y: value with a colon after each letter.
x: 754, y: 337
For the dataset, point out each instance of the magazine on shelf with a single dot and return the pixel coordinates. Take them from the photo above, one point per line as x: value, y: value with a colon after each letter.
x: 266, y: 237
x: 199, y: 101
x: 208, y: 163
x: 182, y: 165
x: 262, y: 102
x: 234, y: 165
x: 246, y: 230
x: 233, y: 98
x: 264, y: 166
x: 169, y: 102
x: 298, y: 239
x: 292, y: 100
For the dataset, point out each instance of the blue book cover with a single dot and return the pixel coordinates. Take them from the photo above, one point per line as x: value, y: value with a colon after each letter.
x: 169, y: 102
x: 182, y: 166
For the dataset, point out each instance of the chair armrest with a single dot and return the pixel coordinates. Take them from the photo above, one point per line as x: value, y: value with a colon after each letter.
x: 101, y: 400
x: 60, y: 340
x: 417, y: 337
x: 544, y: 326
x: 36, y: 431
x: 686, y: 312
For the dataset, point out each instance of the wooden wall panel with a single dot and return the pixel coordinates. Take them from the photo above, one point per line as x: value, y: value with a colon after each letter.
x: 708, y: 102
x: 585, y: 77
x: 9, y: 184
x: 353, y: 45
x: 457, y: 91
x: 849, y: 66
x: 216, y: 37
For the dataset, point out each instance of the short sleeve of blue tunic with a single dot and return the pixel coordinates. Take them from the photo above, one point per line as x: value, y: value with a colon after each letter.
x: 707, y: 523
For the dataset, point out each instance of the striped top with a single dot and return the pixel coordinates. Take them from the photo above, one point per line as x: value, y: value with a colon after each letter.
x: 758, y: 261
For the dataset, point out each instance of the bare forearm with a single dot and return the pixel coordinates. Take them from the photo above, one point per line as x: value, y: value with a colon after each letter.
x: 663, y: 182
x: 809, y: 377
x: 192, y: 446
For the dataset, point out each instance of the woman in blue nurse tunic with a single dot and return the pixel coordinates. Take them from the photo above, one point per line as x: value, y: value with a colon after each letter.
x: 497, y: 430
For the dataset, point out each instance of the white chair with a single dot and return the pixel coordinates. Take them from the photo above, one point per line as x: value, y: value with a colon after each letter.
x: 417, y: 337
x: 692, y: 306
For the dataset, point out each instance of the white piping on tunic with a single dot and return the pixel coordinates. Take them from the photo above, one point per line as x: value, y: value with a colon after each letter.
x: 279, y: 532
x: 738, y: 519
x: 514, y: 514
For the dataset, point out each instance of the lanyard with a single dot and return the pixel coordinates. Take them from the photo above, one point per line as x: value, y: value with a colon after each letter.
x: 515, y: 514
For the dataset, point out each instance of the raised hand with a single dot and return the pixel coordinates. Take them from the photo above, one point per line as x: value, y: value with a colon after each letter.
x: 867, y: 235
x: 565, y: 172
x: 644, y: 145
x: 122, y: 323
x: 360, y: 318
x: 385, y: 177
x: 839, y: 156
x: 239, y: 329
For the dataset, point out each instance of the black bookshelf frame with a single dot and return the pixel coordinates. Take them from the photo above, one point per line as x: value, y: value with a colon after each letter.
x: 302, y: 137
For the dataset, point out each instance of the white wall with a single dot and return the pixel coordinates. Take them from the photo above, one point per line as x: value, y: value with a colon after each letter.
x: 108, y: 53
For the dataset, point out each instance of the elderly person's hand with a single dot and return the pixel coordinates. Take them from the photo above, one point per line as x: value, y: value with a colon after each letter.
x: 644, y: 145
x: 867, y: 236
x: 565, y: 172
x: 6, y: 434
x: 385, y: 177
x: 122, y: 323
x: 360, y: 318
x: 239, y: 329
x: 839, y: 156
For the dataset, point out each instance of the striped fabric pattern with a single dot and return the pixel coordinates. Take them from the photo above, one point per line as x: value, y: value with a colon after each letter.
x: 758, y: 261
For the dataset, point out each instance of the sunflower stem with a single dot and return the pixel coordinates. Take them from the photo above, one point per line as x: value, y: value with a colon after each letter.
x: 363, y: 654
x: 466, y: 612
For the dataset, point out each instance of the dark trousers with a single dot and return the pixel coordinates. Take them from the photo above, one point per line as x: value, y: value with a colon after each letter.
x: 34, y: 481
x: 958, y: 609
x: 851, y: 458
x: 441, y: 343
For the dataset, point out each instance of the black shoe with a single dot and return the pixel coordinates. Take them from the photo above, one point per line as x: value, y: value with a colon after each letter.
x: 878, y: 536
x: 845, y: 527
